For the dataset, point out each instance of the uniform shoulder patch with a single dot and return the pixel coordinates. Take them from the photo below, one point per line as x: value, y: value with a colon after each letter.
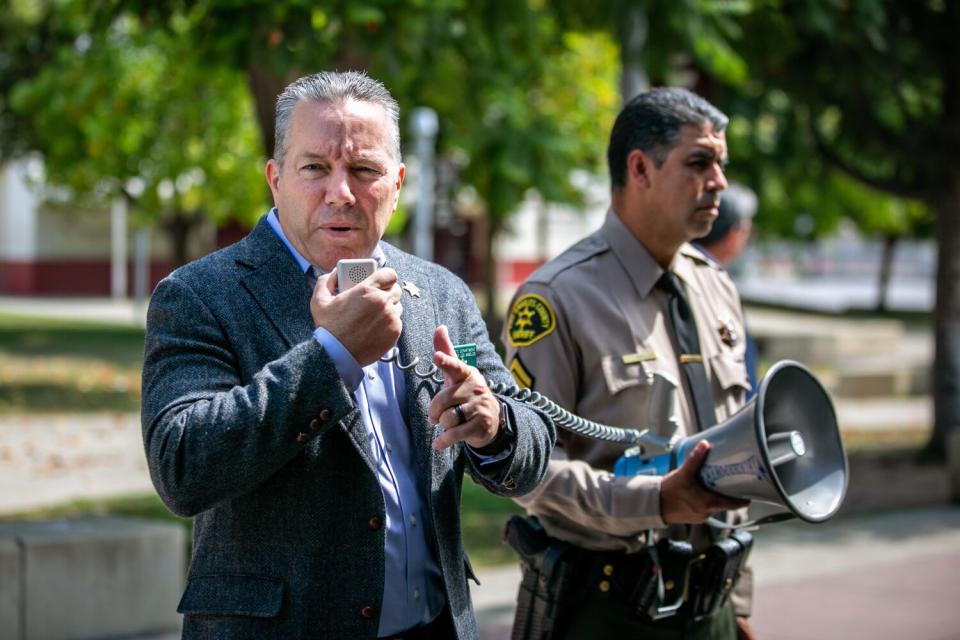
x: 530, y: 319
x: 521, y: 376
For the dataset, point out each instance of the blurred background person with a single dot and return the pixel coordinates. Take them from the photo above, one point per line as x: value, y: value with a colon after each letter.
x: 728, y: 237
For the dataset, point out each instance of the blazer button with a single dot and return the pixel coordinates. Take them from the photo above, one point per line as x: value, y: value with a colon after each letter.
x: 368, y: 612
x: 375, y: 523
x: 325, y: 415
x: 303, y: 437
x: 314, y: 424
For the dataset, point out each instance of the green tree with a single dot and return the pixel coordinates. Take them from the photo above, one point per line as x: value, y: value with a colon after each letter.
x: 874, y: 87
x: 128, y: 112
x: 801, y: 194
x: 483, y: 66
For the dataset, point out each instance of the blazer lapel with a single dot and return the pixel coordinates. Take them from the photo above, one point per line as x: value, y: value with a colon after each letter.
x: 416, y: 341
x: 275, y: 281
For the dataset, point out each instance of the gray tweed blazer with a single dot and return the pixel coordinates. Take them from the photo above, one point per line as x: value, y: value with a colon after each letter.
x: 249, y: 429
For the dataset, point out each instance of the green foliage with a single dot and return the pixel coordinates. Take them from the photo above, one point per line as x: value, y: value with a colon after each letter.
x: 773, y: 152
x: 842, y: 113
x: 676, y: 35
x: 129, y: 104
x: 520, y: 103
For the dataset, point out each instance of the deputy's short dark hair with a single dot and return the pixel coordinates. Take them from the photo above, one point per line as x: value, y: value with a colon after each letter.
x: 652, y: 121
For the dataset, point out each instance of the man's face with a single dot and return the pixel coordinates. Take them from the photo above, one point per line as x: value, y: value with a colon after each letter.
x: 685, y: 189
x: 339, y: 183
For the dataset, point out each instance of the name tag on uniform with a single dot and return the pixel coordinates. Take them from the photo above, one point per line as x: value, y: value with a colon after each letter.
x: 638, y: 357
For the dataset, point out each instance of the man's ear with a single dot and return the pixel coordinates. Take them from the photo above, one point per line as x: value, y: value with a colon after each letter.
x: 639, y: 167
x: 401, y: 174
x: 272, y: 173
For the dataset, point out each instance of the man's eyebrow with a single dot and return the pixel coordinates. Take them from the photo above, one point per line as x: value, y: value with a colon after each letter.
x: 706, y: 153
x: 369, y: 156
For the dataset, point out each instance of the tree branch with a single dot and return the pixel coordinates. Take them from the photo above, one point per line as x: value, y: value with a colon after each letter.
x: 894, y: 187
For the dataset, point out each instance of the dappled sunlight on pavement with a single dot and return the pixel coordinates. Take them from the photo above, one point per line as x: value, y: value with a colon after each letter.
x: 46, y: 460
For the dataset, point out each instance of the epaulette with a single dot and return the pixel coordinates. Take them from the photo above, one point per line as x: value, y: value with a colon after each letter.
x: 592, y: 245
x: 699, y: 256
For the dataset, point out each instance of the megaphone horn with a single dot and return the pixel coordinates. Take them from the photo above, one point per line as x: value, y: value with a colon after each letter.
x: 782, y: 448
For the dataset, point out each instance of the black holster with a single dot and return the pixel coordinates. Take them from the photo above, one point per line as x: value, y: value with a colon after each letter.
x: 714, y: 573
x: 548, y: 567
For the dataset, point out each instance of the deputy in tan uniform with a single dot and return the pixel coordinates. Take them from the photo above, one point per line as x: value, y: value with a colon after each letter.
x: 587, y: 330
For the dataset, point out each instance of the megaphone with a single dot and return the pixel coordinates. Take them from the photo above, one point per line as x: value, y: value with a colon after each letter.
x: 783, y: 448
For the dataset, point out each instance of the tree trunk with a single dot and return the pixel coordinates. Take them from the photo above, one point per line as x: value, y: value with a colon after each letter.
x: 178, y: 228
x: 946, y: 363
x: 266, y: 85
x: 886, y: 267
x: 632, y: 31
x: 490, y: 314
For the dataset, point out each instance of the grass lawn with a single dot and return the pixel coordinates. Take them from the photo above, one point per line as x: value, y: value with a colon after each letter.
x: 55, y: 366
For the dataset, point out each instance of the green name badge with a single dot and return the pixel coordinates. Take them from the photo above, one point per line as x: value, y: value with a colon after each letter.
x: 467, y: 353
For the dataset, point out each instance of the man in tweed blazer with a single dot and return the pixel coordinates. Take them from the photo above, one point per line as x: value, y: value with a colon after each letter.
x: 325, y: 484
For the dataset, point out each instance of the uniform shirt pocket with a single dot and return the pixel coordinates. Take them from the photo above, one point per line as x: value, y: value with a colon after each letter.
x: 730, y: 371
x: 232, y: 595
x: 620, y: 376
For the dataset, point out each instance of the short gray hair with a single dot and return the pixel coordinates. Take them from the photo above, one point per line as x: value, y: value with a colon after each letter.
x: 330, y: 86
x: 652, y: 121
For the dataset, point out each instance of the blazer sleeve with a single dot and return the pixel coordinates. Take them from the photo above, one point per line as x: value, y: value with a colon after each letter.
x: 521, y: 471
x: 208, y: 435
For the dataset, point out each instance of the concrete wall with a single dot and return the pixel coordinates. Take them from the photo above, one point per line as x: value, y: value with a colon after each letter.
x: 18, y: 224
x: 89, y: 578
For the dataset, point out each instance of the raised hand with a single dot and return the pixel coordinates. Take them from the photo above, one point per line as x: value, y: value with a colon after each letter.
x: 365, y: 318
x: 478, y: 418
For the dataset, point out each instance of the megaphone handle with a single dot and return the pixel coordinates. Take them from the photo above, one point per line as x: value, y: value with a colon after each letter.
x: 773, y: 517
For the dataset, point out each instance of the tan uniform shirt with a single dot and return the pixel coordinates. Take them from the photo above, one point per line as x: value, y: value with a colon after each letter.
x: 585, y: 330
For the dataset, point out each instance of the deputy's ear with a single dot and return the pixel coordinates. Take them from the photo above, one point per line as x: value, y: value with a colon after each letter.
x: 639, y: 167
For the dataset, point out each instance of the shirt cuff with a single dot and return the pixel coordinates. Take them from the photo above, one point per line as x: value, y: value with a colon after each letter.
x: 502, y: 445
x: 347, y: 366
x: 485, y: 460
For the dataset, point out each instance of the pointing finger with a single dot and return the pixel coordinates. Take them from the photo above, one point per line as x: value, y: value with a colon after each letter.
x: 454, y: 369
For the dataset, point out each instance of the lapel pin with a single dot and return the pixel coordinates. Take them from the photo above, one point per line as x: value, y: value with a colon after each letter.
x: 411, y: 288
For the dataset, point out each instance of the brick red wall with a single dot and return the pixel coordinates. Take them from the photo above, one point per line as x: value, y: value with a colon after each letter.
x: 66, y: 277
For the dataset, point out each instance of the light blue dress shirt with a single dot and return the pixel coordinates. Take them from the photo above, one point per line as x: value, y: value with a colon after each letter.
x: 413, y: 591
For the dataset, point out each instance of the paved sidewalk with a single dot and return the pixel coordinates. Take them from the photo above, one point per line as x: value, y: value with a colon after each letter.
x: 876, y: 577
x: 46, y: 460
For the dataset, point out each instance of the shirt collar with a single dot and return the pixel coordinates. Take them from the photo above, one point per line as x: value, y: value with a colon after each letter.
x: 640, y: 266
x: 304, y: 264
